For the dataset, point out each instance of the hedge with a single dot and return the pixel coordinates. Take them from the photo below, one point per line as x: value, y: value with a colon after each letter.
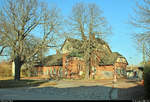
x: 147, y: 79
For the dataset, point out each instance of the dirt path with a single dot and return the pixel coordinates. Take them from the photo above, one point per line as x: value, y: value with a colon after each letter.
x: 76, y: 90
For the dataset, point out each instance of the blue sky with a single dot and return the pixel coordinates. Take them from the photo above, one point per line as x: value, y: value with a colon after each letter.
x: 117, y: 14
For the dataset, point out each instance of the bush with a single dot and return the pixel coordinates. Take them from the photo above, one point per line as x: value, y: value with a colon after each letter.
x: 147, y: 79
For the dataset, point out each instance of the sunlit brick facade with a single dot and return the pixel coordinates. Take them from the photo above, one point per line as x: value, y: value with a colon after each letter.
x: 74, y: 67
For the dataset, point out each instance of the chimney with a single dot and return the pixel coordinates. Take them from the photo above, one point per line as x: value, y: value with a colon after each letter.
x: 64, y: 58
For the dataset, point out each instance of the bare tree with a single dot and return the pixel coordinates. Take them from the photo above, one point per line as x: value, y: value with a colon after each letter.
x: 87, y: 22
x: 141, y: 20
x: 19, y: 20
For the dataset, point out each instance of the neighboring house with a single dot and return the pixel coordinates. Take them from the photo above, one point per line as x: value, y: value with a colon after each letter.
x: 70, y: 61
x: 113, y: 62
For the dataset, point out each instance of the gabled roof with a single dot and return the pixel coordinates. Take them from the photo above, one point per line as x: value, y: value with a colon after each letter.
x: 100, y: 41
x: 74, y: 42
x: 110, y: 59
x: 53, y: 60
x: 76, y: 54
x: 78, y: 43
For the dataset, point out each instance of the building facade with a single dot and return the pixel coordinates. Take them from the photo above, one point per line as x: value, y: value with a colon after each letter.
x: 70, y: 62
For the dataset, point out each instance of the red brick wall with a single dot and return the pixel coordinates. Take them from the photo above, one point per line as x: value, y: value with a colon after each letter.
x: 42, y: 71
x: 74, y: 63
x: 106, y: 68
x: 64, y: 62
x: 64, y: 59
x: 73, y: 66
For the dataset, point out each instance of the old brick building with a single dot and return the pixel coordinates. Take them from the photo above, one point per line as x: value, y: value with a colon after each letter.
x: 70, y: 63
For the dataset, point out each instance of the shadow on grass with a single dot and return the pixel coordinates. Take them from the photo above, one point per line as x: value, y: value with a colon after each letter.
x: 22, y: 83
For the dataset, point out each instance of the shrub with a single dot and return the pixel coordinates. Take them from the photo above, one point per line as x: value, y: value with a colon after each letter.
x: 147, y: 79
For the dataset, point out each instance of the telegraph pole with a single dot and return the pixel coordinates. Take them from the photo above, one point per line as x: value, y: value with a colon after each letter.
x: 144, y: 61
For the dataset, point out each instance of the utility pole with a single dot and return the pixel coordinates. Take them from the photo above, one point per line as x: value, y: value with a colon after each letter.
x: 144, y: 61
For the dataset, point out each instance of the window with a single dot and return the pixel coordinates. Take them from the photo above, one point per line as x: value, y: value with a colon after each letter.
x: 54, y: 72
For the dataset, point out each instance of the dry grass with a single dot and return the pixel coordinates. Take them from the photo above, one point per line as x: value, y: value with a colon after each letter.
x: 5, y: 69
x: 6, y: 78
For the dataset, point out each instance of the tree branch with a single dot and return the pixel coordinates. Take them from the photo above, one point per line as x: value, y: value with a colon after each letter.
x: 1, y: 51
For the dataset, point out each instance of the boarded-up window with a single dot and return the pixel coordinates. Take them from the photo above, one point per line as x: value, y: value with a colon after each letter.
x: 54, y: 72
x: 79, y: 67
x: 51, y: 71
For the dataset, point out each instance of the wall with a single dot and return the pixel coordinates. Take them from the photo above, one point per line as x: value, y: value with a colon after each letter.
x: 104, y: 72
x: 75, y: 65
x: 48, y: 71
x: 120, y: 69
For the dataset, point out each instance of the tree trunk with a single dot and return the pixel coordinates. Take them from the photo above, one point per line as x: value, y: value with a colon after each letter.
x: 87, y: 61
x: 87, y: 72
x: 87, y: 69
x: 18, y: 65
